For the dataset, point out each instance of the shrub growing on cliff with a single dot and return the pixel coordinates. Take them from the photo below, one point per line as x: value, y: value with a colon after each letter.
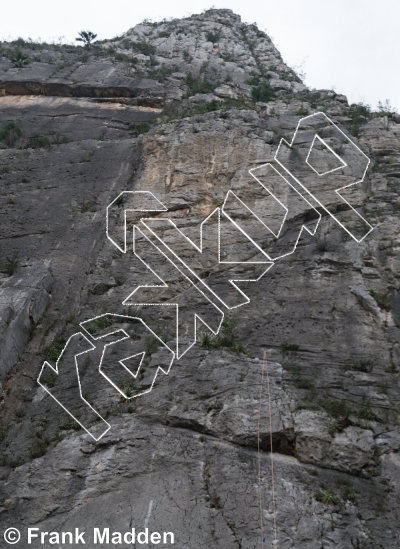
x: 53, y: 351
x: 336, y: 427
x: 227, y: 338
x: 361, y: 364
x: 300, y: 381
x: 253, y: 81
x: 359, y: 114
x: 263, y: 92
x: 228, y: 331
x: 288, y: 348
x: 39, y: 448
x: 98, y: 324
x: 128, y: 387
x: 239, y: 347
x: 60, y: 139
x: 67, y: 425
x: 208, y: 340
x: 385, y: 109
x: 70, y: 424
x: 162, y: 73
x: 213, y: 37
x: 390, y: 368
x: 9, y: 265
x: 39, y: 142
x: 322, y: 246
x: 10, y: 133
x: 19, y: 59
x: 342, y: 481
x: 152, y: 345
x: 196, y: 85
x: 174, y: 111
x: 215, y: 502
x: 143, y: 47
x: 214, y: 406
x: 382, y: 299
x: 349, y: 494
x: 20, y: 42
x: 366, y: 412
x: 212, y: 105
x: 138, y: 129
x: 328, y: 497
x: 337, y: 408
x: 302, y: 111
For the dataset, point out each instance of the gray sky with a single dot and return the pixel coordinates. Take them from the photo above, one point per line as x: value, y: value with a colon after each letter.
x: 352, y: 46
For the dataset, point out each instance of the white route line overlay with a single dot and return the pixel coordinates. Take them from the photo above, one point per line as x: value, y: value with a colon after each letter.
x: 156, y: 205
x: 128, y: 357
x: 268, y: 262
x: 331, y: 150
x: 56, y: 371
x: 130, y: 300
x: 303, y: 227
x: 81, y: 335
x: 337, y: 191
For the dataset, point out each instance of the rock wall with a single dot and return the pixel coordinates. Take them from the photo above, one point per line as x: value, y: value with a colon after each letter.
x: 23, y: 298
x: 184, y: 109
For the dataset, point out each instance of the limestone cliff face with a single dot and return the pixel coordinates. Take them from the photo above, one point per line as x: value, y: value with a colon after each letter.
x: 184, y: 109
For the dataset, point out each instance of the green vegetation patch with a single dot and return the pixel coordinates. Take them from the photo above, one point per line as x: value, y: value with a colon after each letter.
x: 53, y: 351
x: 174, y: 112
x: 359, y: 114
x: 213, y: 37
x: 196, y: 85
x: 226, y: 339
x: 328, y: 497
x: 128, y: 387
x: 10, y: 134
x: 98, y: 324
x: 262, y: 93
x: 39, y: 142
x: 18, y: 59
x: 9, y: 263
x: 139, y: 128
x: 152, y: 345
x: 382, y: 299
